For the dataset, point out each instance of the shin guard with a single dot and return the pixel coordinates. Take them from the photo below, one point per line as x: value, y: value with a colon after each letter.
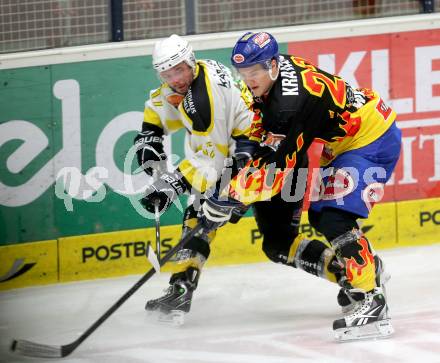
x: 314, y: 257
x: 355, y: 254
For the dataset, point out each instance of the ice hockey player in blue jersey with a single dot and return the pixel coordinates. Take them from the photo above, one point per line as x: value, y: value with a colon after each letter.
x: 298, y: 104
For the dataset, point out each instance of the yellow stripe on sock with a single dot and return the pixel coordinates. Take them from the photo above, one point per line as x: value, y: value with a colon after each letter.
x: 294, y: 247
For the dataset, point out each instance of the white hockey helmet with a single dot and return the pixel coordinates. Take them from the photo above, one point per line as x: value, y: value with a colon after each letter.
x: 170, y: 52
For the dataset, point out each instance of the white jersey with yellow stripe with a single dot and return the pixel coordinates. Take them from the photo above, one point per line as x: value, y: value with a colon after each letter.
x: 214, y: 111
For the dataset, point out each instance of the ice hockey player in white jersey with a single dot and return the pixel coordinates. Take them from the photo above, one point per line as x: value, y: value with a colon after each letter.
x: 202, y: 97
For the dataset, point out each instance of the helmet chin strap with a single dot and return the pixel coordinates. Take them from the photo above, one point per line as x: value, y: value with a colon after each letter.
x: 272, y: 77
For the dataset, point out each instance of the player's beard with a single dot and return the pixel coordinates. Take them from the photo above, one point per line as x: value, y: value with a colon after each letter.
x: 182, y: 90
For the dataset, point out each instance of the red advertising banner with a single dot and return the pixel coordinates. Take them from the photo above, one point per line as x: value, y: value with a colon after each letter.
x: 405, y: 69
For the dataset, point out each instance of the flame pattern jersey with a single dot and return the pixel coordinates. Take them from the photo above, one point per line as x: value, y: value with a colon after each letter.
x: 307, y: 104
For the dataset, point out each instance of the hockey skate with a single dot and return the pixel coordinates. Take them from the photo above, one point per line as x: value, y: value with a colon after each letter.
x: 172, y: 307
x: 348, y: 298
x: 370, y: 319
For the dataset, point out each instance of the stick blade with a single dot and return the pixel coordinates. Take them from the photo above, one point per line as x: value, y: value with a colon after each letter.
x: 30, y: 349
x: 152, y: 257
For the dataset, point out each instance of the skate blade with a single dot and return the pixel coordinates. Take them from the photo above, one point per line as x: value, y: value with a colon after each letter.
x: 175, y: 318
x: 376, y: 330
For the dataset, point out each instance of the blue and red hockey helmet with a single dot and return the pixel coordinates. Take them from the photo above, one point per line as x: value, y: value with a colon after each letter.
x: 254, y: 48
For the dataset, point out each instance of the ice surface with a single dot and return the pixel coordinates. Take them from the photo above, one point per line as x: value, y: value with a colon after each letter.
x: 258, y: 313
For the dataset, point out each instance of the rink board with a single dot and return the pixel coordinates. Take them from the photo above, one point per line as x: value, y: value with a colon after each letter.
x: 418, y: 222
x: 28, y: 264
x: 111, y: 254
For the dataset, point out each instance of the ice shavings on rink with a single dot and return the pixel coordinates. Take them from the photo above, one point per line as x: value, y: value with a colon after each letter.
x: 241, y: 314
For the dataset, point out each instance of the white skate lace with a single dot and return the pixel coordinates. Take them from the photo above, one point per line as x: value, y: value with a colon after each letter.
x: 168, y: 290
x: 362, y: 306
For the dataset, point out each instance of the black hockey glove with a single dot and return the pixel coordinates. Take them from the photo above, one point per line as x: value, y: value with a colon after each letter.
x: 163, y: 191
x: 216, y: 213
x: 244, y: 150
x: 238, y: 212
x: 149, y: 151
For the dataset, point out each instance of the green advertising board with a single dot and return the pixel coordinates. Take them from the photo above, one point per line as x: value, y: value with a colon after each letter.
x: 65, y: 131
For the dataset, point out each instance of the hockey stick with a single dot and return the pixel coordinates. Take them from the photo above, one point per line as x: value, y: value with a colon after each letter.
x: 154, y: 257
x: 157, y: 219
x: 28, y: 348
